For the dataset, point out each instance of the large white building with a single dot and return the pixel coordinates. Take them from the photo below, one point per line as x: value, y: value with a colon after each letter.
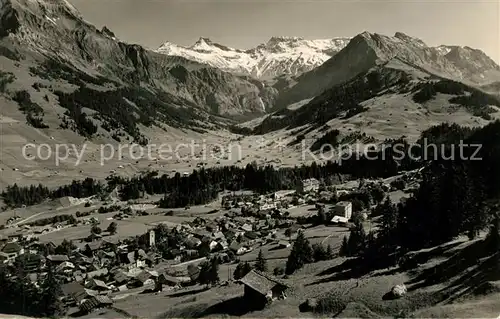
x: 343, y: 209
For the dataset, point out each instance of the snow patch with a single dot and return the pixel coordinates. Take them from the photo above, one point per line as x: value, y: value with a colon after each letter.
x: 280, y: 55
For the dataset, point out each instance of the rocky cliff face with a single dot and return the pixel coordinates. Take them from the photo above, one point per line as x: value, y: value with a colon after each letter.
x: 54, y: 29
x: 368, y: 50
x: 279, y: 56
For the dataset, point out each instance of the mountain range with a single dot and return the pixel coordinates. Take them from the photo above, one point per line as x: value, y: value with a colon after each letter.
x: 51, y: 56
x: 278, y: 56
x: 367, y: 50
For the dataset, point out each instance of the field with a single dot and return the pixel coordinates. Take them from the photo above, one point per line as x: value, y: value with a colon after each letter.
x: 354, y: 296
x: 350, y: 293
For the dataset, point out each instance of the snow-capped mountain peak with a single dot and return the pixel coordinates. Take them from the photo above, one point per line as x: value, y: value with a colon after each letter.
x: 280, y: 55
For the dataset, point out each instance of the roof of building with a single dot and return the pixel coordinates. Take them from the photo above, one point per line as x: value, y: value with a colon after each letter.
x: 251, y: 235
x: 64, y: 265
x: 260, y: 282
x: 100, y: 284
x: 111, y: 240
x: 247, y: 227
x: 201, y: 233
x: 284, y: 192
x: 120, y: 277
x: 164, y: 278
x: 235, y: 246
x: 57, y: 258
x: 95, y: 301
x: 192, y: 241
x: 94, y: 245
x: 10, y: 248
x: 339, y: 219
x: 72, y: 288
x: 343, y: 204
x: 141, y: 253
x: 97, y: 273
x: 131, y: 257
x: 283, y: 243
x: 145, y: 275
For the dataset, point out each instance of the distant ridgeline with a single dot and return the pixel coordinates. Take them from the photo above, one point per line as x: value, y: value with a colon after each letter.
x: 455, y: 197
x: 203, y: 185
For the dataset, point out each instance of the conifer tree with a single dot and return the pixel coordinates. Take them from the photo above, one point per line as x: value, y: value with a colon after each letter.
x: 344, y: 248
x: 357, y: 239
x: 241, y: 270
x: 50, y: 295
x: 300, y: 255
x: 112, y: 228
x: 209, y: 272
x: 261, y: 263
x: 329, y: 252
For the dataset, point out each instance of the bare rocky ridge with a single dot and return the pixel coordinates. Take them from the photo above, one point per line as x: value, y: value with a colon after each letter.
x: 89, y: 81
x: 390, y: 100
x: 54, y: 29
x: 367, y: 50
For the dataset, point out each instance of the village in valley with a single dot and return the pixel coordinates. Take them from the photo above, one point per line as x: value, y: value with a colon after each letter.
x: 112, y: 255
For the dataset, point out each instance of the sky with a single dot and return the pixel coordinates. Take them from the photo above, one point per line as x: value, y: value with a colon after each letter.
x: 246, y: 23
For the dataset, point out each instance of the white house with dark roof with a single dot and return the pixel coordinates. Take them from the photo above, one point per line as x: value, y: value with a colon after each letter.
x: 343, y: 209
x: 12, y: 250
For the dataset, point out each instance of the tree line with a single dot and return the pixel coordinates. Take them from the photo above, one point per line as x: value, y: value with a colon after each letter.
x: 203, y: 185
x: 19, y: 295
x: 456, y: 196
x: 17, y: 196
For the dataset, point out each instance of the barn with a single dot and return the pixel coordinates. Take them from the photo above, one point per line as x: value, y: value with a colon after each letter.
x: 261, y: 289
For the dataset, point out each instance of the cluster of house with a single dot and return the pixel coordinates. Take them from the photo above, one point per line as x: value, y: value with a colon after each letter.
x: 230, y: 233
x: 91, y: 273
x: 96, y: 270
x: 277, y: 200
x: 104, y: 266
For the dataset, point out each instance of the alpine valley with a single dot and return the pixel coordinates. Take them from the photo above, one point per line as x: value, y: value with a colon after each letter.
x: 63, y: 77
x: 204, y: 181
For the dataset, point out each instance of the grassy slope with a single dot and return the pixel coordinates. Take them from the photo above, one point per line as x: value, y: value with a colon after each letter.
x: 354, y: 297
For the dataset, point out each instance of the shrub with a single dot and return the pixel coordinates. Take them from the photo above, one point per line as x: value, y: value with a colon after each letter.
x: 278, y: 271
x: 330, y: 304
x: 398, y: 184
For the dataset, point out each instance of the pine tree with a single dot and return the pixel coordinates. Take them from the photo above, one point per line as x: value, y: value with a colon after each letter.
x: 65, y: 248
x: 319, y: 252
x: 96, y: 230
x: 329, y: 252
x: 357, y: 239
x: 50, y: 295
x: 214, y: 271
x: 300, y: 255
x: 204, y: 249
x: 321, y: 215
x: 493, y: 237
x: 344, y: 248
x: 261, y: 263
x: 112, y: 228
x: 241, y: 270
x: 389, y: 225
x: 209, y: 272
